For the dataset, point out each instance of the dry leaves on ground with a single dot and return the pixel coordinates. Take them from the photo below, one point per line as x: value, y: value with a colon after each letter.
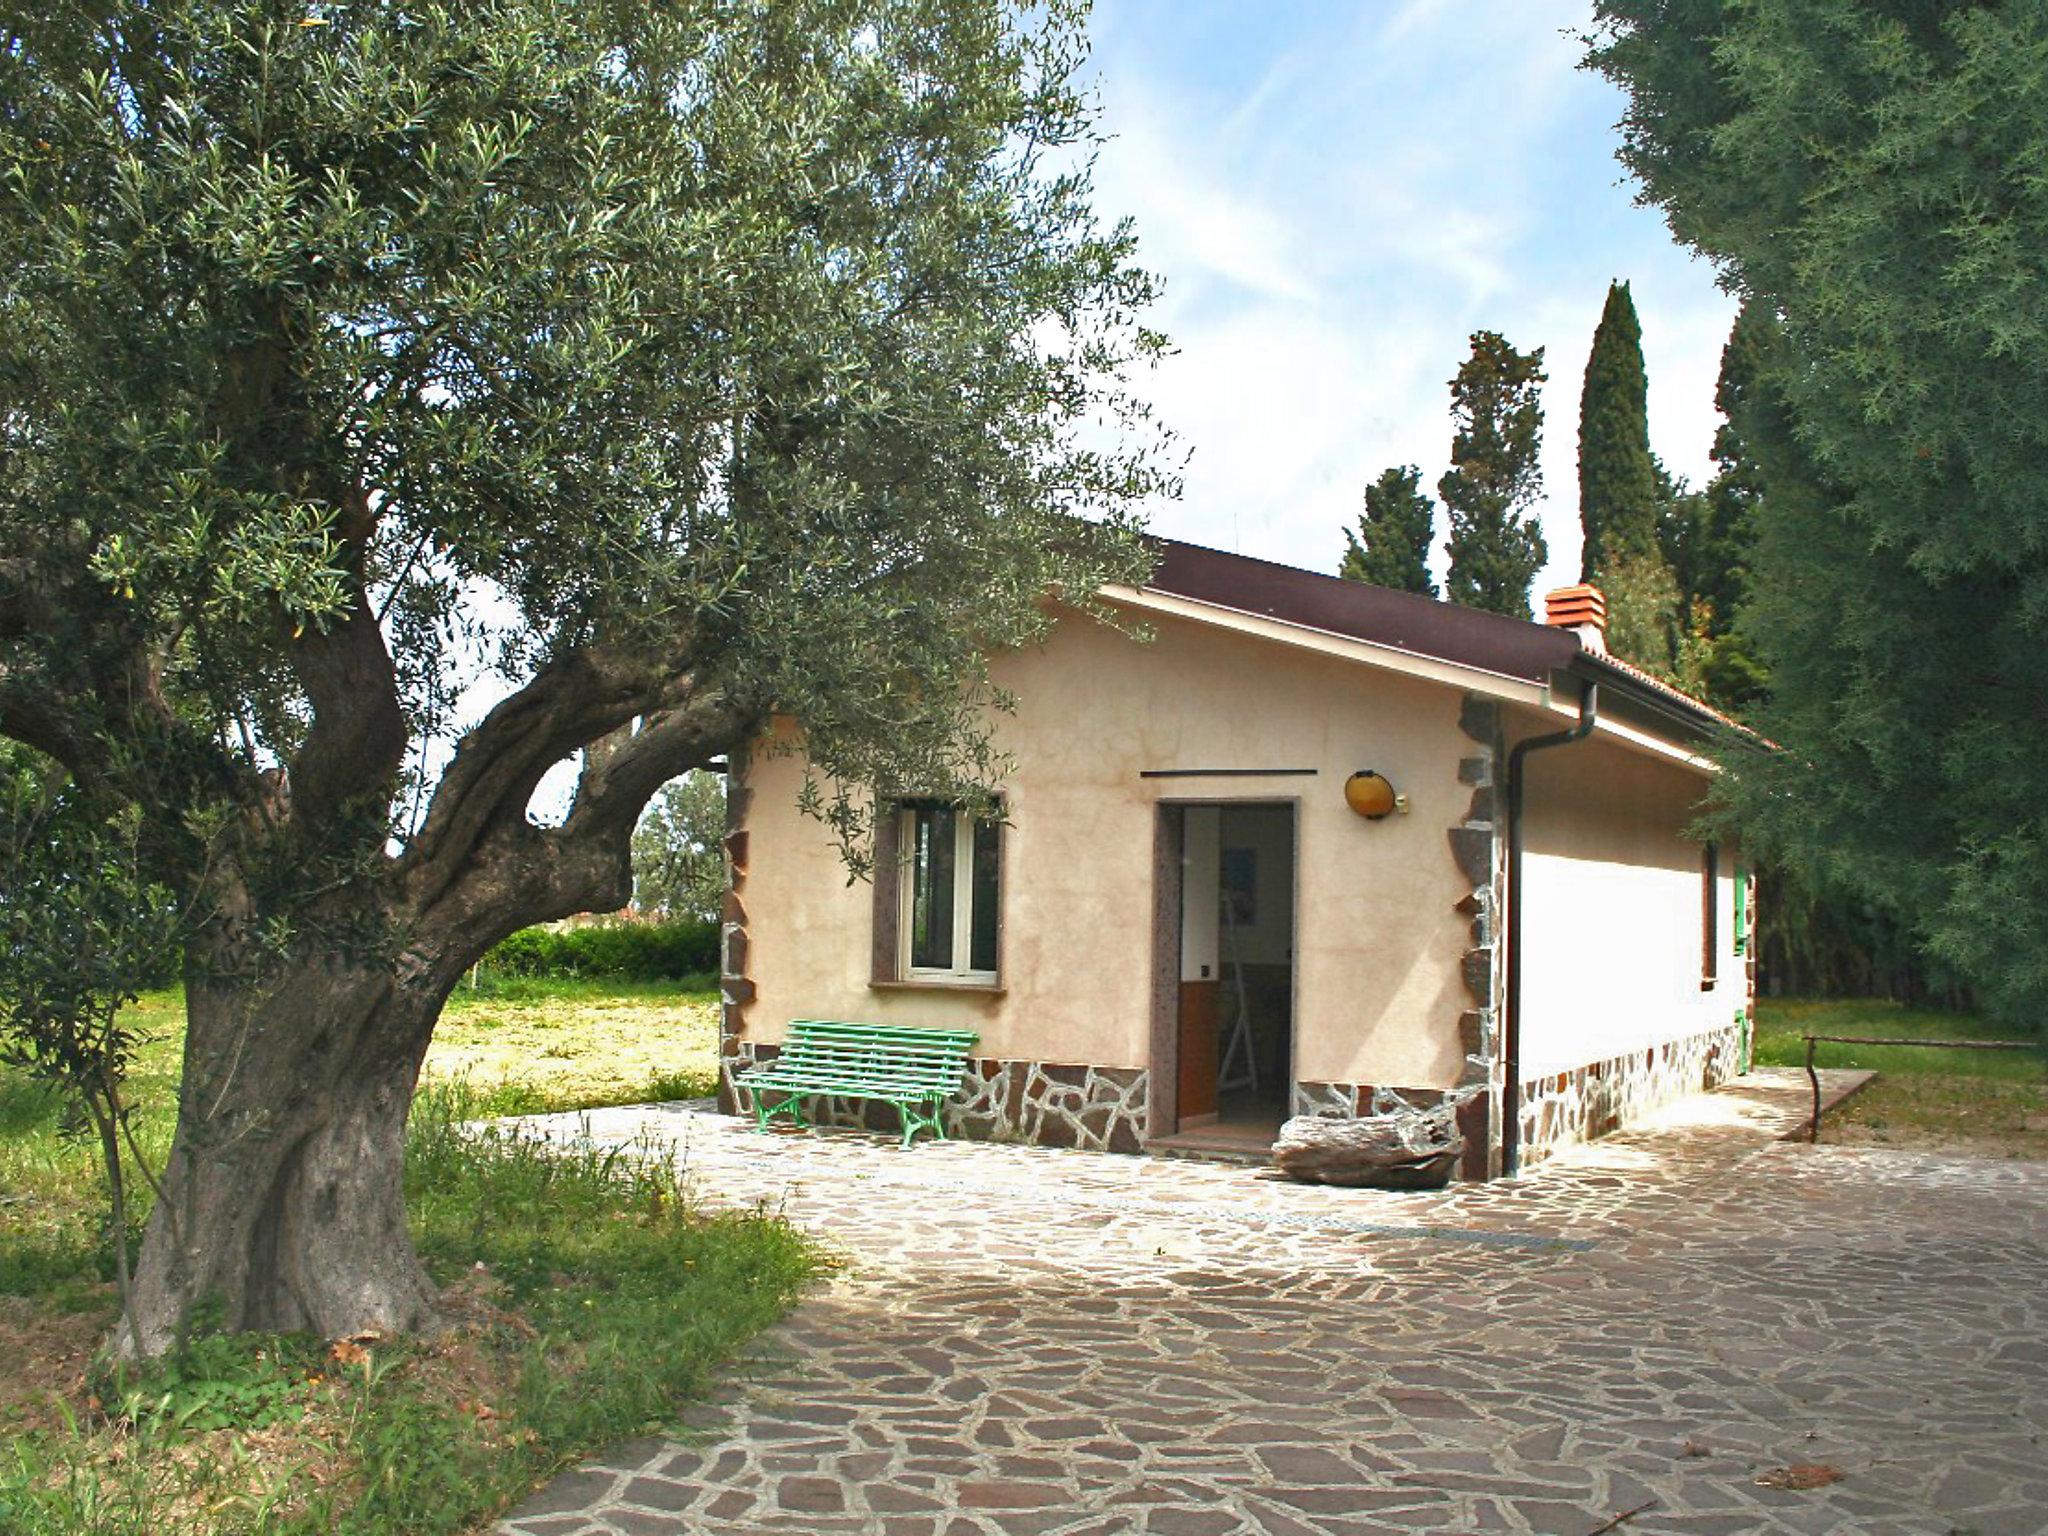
x: 1800, y: 1476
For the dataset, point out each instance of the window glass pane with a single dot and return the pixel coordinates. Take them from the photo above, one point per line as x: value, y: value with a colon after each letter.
x: 933, y: 857
x: 987, y: 842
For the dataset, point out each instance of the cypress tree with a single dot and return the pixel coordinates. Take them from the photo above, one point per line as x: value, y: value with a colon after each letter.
x: 1618, y: 500
x: 1709, y: 539
x: 1391, y: 546
x: 1496, y: 406
x: 1719, y: 578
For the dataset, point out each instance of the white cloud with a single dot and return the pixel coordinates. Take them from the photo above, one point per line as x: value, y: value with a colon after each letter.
x: 1335, y: 211
x: 1194, y: 225
x: 1415, y: 19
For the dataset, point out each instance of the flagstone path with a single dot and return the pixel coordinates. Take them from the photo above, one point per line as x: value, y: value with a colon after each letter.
x: 1031, y: 1342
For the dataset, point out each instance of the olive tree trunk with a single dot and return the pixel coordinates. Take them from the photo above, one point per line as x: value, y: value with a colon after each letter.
x: 283, y: 1198
x: 283, y: 1204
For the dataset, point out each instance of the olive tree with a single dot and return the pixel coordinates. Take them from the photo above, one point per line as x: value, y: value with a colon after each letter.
x: 683, y: 367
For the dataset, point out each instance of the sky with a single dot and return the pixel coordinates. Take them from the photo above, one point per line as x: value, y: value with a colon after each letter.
x: 1337, y: 193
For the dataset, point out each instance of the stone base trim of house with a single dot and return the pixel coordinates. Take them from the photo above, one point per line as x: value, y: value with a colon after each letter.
x: 1100, y: 1109
x: 1565, y: 1108
x: 1361, y: 1101
x: 1472, y: 1105
x: 1052, y: 1104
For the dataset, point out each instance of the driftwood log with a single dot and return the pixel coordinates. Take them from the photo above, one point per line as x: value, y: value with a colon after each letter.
x: 1409, y: 1149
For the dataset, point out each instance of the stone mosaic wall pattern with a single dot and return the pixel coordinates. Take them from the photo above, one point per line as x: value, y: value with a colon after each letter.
x: 1363, y: 1101
x: 1592, y: 1101
x: 1099, y: 1109
x: 1051, y: 1104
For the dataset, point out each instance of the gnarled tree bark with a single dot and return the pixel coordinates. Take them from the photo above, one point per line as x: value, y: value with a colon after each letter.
x: 283, y: 1197
x: 283, y: 1204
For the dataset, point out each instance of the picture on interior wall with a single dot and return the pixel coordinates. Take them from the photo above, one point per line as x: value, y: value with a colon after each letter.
x: 1238, y: 874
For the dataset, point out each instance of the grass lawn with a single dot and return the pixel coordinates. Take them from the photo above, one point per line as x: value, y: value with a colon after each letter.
x: 1990, y: 1102
x: 585, y: 1298
x: 530, y: 1046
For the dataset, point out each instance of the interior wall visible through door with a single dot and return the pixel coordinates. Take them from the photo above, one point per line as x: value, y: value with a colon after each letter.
x: 1231, y: 1026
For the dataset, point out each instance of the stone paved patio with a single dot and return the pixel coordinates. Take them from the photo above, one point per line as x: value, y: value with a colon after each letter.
x: 1078, y: 1344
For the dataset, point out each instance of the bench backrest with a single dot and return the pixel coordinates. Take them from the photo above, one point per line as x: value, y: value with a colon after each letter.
x: 878, y: 1053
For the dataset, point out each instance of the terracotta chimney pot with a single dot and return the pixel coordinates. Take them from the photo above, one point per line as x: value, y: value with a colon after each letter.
x: 1582, y: 610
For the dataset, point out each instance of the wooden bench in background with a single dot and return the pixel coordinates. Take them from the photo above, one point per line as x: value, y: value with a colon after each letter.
x: 917, y: 1070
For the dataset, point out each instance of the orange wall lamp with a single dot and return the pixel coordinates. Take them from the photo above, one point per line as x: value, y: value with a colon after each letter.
x: 1372, y: 795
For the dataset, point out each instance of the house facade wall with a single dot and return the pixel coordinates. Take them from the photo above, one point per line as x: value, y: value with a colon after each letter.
x: 1615, y: 1020
x: 1397, y: 980
x: 1378, y: 989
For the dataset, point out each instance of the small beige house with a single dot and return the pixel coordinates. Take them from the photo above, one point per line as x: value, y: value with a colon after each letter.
x: 1269, y: 863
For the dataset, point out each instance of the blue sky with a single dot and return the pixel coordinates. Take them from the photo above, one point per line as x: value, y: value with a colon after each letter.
x: 1337, y: 195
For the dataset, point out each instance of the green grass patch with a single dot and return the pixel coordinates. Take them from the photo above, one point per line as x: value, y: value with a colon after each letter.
x: 587, y: 1298
x: 1783, y: 1024
x: 534, y: 1044
x: 1993, y: 1103
x: 516, y: 1046
x: 53, y: 1239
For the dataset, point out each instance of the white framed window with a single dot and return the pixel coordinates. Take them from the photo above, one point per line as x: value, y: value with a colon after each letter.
x: 951, y: 894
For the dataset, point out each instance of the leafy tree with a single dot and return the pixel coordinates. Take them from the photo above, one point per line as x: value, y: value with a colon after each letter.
x: 1497, y: 411
x: 1642, y: 608
x: 672, y: 364
x: 83, y: 931
x: 1618, y: 489
x: 1391, y: 546
x: 1863, y: 170
x: 679, y: 848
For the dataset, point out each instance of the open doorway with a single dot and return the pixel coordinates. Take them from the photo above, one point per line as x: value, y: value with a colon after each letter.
x: 1234, y: 1068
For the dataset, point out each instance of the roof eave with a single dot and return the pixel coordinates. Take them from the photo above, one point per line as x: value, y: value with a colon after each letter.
x: 1372, y: 653
x: 1697, y: 720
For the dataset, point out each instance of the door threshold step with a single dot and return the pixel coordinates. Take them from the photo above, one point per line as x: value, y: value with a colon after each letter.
x: 1248, y: 1146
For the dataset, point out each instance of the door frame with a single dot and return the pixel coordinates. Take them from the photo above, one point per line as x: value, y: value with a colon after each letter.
x: 1162, y: 1098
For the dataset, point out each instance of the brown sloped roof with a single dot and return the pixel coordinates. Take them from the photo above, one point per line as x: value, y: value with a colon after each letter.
x: 1406, y: 621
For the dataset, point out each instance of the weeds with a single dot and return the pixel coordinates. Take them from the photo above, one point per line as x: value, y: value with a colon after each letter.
x: 586, y: 1298
x: 212, y: 1381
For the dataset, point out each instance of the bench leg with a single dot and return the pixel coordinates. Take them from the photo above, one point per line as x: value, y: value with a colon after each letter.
x: 917, y: 1117
x: 791, y: 1108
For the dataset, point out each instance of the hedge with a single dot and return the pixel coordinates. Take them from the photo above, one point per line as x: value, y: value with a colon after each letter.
x: 611, y: 951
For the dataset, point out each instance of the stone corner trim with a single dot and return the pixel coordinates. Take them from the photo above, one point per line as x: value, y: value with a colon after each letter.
x: 736, y: 987
x: 1476, y: 850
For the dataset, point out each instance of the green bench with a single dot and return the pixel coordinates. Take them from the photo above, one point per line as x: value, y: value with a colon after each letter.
x: 914, y: 1069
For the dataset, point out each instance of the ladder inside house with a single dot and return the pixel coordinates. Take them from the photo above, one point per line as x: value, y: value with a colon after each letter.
x: 1240, y: 1067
